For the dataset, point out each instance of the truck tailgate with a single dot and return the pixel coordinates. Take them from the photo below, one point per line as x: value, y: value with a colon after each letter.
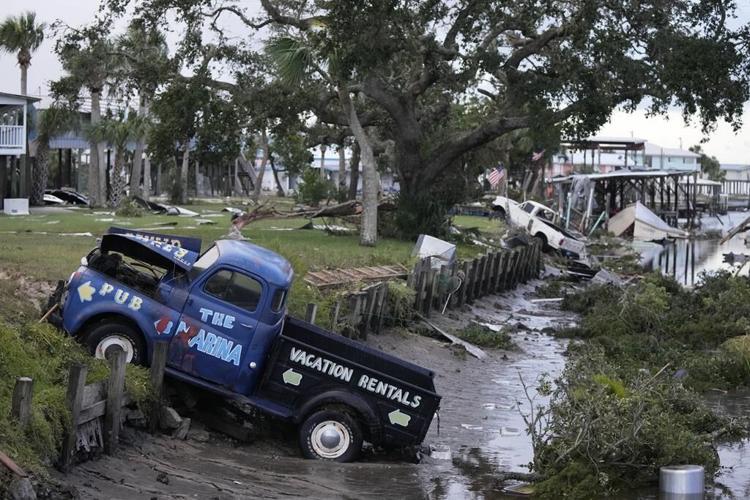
x: 308, y: 360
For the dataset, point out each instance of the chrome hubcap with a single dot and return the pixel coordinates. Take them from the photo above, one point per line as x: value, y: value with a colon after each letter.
x: 330, y: 439
x: 108, y: 344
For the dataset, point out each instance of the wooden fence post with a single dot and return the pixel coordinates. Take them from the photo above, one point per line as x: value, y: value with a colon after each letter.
x: 382, y: 306
x: 464, y: 285
x: 21, y: 402
x: 370, y: 298
x: 311, y: 312
x: 471, y: 280
x: 481, y: 263
x: 430, y: 288
x: 158, y: 364
x: 73, y: 401
x: 497, y: 286
x: 421, y: 277
x: 115, y: 390
x: 335, y: 315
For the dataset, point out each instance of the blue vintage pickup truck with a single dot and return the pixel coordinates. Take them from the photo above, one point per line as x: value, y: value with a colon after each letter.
x: 223, y: 313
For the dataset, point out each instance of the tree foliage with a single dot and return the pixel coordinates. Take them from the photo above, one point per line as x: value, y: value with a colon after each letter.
x: 710, y: 165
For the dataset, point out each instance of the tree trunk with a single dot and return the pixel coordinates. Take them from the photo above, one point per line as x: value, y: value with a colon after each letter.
x: 342, y: 171
x: 323, y: 149
x: 354, y: 172
x: 41, y: 172
x: 197, y: 174
x: 24, y: 78
x: 140, y: 144
x: 94, y: 155
x: 146, y: 192
x: 369, y: 232
x: 117, y: 191
x: 279, y: 188
x: 158, y: 180
x: 263, y: 162
x: 184, y: 171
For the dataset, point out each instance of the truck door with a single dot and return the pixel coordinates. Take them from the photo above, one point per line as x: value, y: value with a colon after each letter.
x: 216, y: 326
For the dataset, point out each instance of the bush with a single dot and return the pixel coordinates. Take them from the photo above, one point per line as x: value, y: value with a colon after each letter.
x: 312, y: 189
x: 400, y: 303
x: 608, y: 431
x: 484, y: 336
x: 129, y: 208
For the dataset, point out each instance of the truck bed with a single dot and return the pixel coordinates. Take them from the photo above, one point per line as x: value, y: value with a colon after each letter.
x: 308, y: 361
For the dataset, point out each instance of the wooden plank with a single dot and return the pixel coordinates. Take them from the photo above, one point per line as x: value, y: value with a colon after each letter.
x: 488, y: 270
x: 498, y: 282
x: 472, y: 284
x: 20, y: 407
x: 115, y: 389
x: 421, y: 283
x: 335, y: 315
x: 430, y: 289
x: 461, y: 299
x: 441, y: 288
x: 93, y: 393
x: 382, y: 307
x: 73, y: 400
x: 158, y: 364
x: 11, y: 465
x: 311, y: 312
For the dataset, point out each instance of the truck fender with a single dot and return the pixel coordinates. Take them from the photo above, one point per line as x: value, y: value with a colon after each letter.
x: 336, y: 396
x: 97, y: 312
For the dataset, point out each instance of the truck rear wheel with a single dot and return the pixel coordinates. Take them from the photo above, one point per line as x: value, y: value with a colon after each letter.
x: 105, y: 337
x: 331, y: 434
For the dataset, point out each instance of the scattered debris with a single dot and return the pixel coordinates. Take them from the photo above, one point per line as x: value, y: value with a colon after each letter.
x: 68, y: 195
x: 50, y: 199
x: 338, y: 277
x: 440, y: 252
x: 182, y: 431
x: 605, y: 277
x: 170, y: 419
x: 739, y: 228
x: 470, y: 348
x: 643, y: 224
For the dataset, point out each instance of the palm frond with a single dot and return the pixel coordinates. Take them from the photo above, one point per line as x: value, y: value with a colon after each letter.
x: 292, y: 58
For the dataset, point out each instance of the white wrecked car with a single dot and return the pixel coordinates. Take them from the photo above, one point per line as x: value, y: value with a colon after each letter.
x: 539, y: 222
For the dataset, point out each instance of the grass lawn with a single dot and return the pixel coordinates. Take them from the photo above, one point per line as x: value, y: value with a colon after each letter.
x: 483, y: 224
x: 49, y: 244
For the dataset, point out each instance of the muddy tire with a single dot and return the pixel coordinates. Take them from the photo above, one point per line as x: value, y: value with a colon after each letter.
x: 105, y: 337
x: 331, y: 434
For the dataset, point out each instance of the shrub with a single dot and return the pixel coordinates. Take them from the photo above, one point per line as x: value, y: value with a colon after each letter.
x: 129, y: 208
x: 400, y: 303
x: 312, y: 189
x: 484, y: 336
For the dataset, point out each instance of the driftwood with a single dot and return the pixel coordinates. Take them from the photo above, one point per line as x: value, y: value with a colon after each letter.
x: 258, y: 213
x: 739, y: 228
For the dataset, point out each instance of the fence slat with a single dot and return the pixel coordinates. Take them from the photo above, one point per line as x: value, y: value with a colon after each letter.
x: 20, y: 408
x: 73, y: 401
x: 115, y: 390
x: 158, y: 364
x: 311, y: 312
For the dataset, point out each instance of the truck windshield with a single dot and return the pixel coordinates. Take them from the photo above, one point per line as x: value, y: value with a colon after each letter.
x: 205, y: 261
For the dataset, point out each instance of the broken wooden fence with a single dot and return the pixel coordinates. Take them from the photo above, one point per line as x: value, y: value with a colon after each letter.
x: 461, y: 283
x: 358, y: 313
x: 96, y: 410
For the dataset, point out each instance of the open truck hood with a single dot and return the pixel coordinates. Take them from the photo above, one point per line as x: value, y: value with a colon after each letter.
x: 150, y: 248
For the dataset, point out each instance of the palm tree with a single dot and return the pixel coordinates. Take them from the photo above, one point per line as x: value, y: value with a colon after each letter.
x: 118, y: 132
x: 52, y: 121
x: 22, y: 35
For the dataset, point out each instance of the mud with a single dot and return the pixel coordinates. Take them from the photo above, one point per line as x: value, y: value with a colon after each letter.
x: 480, y: 430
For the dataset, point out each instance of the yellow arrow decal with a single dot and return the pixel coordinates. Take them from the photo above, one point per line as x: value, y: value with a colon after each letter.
x: 86, y: 292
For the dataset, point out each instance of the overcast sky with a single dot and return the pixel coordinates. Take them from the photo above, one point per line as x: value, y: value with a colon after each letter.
x: 667, y: 131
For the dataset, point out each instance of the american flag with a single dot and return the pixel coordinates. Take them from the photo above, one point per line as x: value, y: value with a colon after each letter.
x: 496, y: 175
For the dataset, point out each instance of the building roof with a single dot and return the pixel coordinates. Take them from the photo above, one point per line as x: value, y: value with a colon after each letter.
x: 735, y: 167
x: 26, y: 98
x: 656, y: 150
x: 624, y: 174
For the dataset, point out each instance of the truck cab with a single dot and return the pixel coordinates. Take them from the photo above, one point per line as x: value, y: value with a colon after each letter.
x: 223, y: 314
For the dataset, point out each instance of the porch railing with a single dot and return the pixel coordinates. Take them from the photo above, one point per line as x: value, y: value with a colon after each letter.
x: 11, y: 136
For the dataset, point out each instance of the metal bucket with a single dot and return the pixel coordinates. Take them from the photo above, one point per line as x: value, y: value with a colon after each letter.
x: 683, y: 482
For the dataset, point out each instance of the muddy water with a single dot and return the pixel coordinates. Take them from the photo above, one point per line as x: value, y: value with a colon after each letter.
x: 481, y: 421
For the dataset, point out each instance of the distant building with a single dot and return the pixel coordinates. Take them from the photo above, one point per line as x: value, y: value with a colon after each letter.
x: 736, y: 171
x: 15, y: 178
x: 607, y: 154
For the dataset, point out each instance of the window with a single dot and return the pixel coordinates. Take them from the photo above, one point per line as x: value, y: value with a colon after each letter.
x: 278, y: 300
x: 527, y: 207
x: 235, y: 288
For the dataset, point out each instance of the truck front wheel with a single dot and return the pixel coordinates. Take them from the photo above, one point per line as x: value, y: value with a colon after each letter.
x: 105, y: 337
x: 331, y: 434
